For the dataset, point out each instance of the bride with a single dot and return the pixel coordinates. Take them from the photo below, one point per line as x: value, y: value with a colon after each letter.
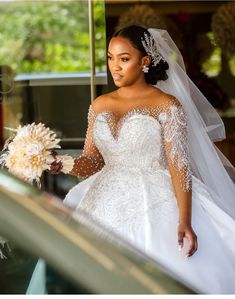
x: 151, y: 172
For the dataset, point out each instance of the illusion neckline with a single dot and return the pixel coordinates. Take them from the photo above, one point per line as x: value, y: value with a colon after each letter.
x: 116, y: 125
x: 144, y: 109
x: 153, y: 108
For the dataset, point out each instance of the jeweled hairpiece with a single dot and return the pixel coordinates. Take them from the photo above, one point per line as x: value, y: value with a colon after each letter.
x: 151, y: 48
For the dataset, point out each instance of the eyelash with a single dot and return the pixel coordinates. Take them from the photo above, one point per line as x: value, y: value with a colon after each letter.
x: 123, y: 59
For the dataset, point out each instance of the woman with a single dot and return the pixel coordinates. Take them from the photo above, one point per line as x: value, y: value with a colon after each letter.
x: 145, y: 164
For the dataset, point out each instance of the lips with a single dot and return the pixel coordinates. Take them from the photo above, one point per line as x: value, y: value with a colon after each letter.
x: 117, y: 77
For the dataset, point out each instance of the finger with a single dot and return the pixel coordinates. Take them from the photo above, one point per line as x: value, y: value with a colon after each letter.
x: 57, y: 167
x: 56, y: 164
x: 60, y: 165
x: 180, y: 240
x: 196, y: 247
x: 192, y: 245
x: 53, y: 169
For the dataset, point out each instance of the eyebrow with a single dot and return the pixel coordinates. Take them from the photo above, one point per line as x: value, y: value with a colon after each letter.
x: 123, y: 53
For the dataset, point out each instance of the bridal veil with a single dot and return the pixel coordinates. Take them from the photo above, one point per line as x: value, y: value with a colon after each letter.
x: 204, y: 126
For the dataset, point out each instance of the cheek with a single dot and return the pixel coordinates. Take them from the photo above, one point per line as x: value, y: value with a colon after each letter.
x: 132, y: 67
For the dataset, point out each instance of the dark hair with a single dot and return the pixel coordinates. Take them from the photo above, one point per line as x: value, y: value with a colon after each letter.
x: 134, y: 34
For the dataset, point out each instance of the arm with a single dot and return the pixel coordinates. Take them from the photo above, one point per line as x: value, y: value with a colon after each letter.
x: 91, y: 161
x: 174, y: 125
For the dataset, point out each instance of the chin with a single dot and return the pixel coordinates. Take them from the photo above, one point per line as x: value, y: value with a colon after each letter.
x: 121, y: 84
x: 118, y: 84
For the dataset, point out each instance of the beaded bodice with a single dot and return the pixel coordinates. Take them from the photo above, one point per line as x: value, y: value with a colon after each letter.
x: 133, y: 141
x: 148, y: 138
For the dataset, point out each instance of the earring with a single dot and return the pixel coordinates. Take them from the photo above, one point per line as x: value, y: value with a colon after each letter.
x: 145, y: 69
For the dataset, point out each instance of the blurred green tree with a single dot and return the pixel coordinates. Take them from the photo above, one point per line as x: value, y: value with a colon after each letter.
x: 50, y: 36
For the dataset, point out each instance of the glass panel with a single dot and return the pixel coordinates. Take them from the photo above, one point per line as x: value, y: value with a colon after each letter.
x: 45, y: 65
x: 45, y: 70
x: 49, y: 36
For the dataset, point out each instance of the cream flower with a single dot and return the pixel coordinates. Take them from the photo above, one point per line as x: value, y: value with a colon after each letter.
x: 28, y: 154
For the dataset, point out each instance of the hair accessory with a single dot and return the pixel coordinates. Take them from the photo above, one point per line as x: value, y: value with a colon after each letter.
x: 151, y: 48
x: 145, y: 69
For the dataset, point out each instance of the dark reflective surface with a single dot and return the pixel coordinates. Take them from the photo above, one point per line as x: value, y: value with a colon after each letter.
x: 16, y: 270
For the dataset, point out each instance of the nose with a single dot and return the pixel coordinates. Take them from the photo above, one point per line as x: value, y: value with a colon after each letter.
x: 116, y: 65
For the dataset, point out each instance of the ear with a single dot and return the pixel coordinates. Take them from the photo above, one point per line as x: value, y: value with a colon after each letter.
x: 146, y: 60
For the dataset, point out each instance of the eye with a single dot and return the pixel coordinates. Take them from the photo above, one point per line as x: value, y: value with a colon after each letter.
x: 125, y: 59
x: 109, y: 57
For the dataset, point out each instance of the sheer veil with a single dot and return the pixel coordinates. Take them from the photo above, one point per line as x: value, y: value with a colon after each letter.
x: 204, y: 126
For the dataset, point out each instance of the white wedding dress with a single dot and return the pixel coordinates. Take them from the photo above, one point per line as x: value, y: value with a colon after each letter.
x: 129, y: 165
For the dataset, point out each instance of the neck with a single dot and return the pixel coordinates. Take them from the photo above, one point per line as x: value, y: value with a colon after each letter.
x: 132, y: 90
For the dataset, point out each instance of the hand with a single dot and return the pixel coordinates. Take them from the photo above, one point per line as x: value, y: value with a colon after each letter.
x: 186, y: 231
x: 56, y: 166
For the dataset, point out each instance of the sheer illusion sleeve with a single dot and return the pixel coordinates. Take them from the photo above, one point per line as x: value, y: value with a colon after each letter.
x: 91, y: 160
x: 174, y: 128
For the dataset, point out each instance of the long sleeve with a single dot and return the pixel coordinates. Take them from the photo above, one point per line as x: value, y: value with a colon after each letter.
x: 91, y: 160
x: 174, y: 124
x: 174, y: 129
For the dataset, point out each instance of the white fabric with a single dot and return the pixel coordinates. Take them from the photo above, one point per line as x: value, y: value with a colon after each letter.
x: 133, y: 196
x: 204, y: 125
x: 37, y: 285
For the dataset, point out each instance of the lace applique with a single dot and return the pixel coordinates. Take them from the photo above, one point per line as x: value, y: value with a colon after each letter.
x: 116, y: 199
x: 174, y: 124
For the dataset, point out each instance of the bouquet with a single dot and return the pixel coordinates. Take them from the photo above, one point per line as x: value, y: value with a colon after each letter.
x: 29, y: 152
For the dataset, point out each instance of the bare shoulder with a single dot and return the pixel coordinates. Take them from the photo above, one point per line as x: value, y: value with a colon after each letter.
x: 100, y: 103
x: 171, y: 100
x: 164, y: 99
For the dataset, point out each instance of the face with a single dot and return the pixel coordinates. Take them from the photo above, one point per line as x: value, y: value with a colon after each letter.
x: 125, y: 62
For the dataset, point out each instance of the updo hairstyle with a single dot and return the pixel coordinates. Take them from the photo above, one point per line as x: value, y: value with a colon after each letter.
x: 134, y: 34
